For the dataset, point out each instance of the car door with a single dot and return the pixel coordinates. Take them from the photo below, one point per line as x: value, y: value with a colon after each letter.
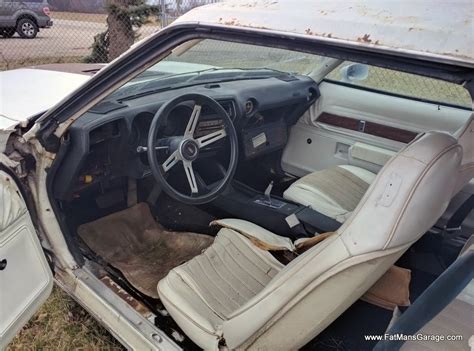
x: 6, y: 13
x: 25, y: 276
x: 363, y: 122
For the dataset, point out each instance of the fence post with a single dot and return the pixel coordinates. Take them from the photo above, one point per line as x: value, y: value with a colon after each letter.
x: 164, y: 19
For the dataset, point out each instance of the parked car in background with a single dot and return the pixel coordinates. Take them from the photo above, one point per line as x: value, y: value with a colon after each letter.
x: 24, y: 17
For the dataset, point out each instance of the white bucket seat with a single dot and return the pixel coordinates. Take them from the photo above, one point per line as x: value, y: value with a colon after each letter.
x: 334, y: 192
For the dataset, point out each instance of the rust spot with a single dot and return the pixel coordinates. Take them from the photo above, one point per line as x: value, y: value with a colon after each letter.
x: 365, y: 38
x: 330, y: 35
x: 308, y: 31
x: 377, y: 42
x: 255, y: 4
x: 231, y: 22
x: 134, y: 303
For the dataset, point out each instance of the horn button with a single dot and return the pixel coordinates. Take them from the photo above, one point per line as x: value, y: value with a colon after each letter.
x: 189, y: 149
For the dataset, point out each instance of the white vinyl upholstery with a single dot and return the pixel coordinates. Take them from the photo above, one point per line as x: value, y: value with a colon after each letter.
x: 465, y: 136
x: 210, y: 287
x: 257, y: 303
x: 251, y: 230
x: 308, y: 192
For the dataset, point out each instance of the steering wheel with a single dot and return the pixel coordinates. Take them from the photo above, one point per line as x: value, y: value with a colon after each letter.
x: 185, y: 150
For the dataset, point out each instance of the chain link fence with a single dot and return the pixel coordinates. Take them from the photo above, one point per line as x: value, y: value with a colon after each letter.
x: 176, y: 8
x: 84, y: 30
x: 410, y: 85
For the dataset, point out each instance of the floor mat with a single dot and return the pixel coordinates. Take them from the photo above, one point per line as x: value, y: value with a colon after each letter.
x: 133, y: 242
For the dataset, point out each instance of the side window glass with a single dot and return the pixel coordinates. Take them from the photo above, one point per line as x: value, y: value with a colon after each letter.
x: 401, y: 83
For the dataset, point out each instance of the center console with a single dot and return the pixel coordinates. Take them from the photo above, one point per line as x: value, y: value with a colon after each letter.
x: 273, y: 213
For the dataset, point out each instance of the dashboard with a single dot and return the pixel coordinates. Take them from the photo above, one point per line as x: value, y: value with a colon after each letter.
x: 106, y: 143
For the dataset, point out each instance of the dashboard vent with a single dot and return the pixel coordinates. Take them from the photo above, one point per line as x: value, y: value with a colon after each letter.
x: 287, y: 78
x: 104, y: 132
x: 212, y: 86
x: 228, y: 106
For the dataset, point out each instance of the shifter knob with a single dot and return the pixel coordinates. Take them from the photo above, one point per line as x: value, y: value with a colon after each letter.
x: 268, y: 193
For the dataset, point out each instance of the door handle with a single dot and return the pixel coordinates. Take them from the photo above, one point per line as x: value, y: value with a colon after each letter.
x: 3, y: 264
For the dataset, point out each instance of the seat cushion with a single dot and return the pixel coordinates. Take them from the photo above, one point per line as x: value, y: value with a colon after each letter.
x: 203, y: 292
x: 334, y: 192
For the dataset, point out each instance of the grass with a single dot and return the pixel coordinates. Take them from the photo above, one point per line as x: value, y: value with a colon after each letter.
x: 61, y: 324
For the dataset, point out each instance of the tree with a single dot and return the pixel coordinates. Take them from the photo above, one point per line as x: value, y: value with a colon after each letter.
x: 123, y: 20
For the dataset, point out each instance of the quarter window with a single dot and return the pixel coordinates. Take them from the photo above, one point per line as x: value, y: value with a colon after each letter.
x: 406, y: 84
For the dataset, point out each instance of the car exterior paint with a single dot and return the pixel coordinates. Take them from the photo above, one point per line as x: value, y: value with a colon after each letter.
x: 11, y: 11
x: 435, y: 30
x: 39, y: 90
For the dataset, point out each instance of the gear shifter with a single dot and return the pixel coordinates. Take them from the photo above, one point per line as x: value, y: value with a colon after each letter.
x: 268, y: 194
x: 267, y: 200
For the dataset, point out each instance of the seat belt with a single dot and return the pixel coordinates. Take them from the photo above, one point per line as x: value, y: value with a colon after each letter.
x: 307, y: 216
x: 458, y: 217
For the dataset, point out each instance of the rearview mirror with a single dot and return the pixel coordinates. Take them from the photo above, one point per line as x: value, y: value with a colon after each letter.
x: 354, y: 71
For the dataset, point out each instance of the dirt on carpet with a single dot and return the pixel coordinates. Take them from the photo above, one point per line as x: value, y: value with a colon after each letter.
x: 133, y: 242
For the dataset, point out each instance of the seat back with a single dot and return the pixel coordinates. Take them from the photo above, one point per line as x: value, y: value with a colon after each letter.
x: 409, y: 194
x: 465, y: 136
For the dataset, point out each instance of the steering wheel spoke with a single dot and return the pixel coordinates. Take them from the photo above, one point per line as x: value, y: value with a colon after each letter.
x: 191, y: 127
x: 188, y: 169
x: 211, y: 138
x: 200, y: 182
x: 171, y: 161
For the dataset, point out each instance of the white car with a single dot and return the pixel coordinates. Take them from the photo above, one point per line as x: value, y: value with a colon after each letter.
x: 258, y: 175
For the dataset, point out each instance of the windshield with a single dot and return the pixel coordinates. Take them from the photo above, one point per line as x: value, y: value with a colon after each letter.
x: 232, y: 55
x: 207, y: 61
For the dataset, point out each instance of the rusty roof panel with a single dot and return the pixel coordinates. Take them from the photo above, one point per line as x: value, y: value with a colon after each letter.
x: 434, y: 29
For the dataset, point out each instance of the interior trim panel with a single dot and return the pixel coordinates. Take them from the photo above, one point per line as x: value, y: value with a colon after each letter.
x: 362, y: 126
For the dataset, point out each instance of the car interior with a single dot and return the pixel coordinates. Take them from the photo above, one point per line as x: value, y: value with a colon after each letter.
x: 252, y: 197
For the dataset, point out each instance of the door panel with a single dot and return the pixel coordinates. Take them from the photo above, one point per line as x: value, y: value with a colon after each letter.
x: 25, y: 277
x: 370, y: 128
x: 344, y: 115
